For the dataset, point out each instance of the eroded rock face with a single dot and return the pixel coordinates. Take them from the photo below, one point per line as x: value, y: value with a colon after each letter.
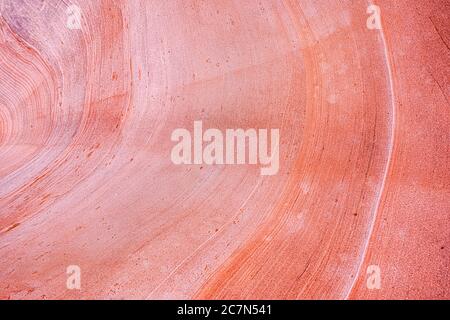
x: 91, y: 91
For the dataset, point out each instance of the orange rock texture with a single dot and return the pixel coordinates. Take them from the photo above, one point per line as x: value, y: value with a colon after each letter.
x: 91, y: 91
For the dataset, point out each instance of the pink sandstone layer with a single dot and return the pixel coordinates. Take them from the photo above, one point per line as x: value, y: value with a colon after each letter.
x: 86, y: 177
